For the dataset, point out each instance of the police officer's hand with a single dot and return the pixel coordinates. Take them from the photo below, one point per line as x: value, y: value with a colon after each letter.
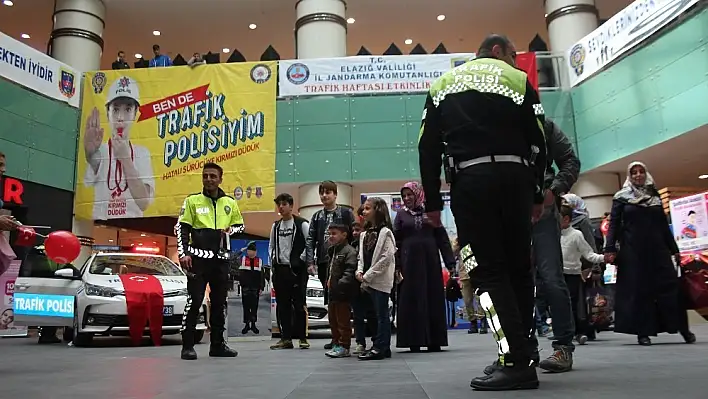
x: 186, y: 262
x: 537, y: 212
x: 433, y: 218
x: 93, y: 134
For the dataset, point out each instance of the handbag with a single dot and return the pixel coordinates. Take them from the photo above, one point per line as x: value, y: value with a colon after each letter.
x: 695, y: 287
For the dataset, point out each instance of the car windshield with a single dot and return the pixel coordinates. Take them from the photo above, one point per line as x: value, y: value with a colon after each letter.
x: 124, y: 264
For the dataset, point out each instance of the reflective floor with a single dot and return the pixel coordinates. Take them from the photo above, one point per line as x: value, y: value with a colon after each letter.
x: 613, y: 367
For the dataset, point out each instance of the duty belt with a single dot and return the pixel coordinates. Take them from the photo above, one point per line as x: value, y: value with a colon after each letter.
x: 492, y: 159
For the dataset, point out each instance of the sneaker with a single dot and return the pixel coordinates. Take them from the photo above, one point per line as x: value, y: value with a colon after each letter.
x: 338, y: 352
x: 282, y: 344
x: 559, y: 362
x: 222, y: 350
x: 304, y: 344
x: 359, y: 349
x: 581, y: 339
x: 329, y: 346
x: 331, y: 352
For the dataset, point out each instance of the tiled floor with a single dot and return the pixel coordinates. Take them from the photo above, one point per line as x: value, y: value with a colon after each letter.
x: 614, y: 367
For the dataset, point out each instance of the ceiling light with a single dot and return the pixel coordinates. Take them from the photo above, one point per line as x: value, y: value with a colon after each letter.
x: 441, y: 17
x: 141, y: 244
x: 225, y: 50
x: 143, y: 235
x: 703, y: 177
x: 408, y: 41
x: 110, y: 240
x: 156, y: 33
x: 138, y: 56
x: 25, y: 36
x: 8, y: 3
x: 252, y: 26
x: 351, y: 20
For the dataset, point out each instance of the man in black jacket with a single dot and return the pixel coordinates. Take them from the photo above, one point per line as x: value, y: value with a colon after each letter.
x: 548, y: 257
x: 120, y: 63
x: 287, y: 255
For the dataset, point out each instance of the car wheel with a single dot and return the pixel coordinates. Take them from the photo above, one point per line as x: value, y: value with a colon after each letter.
x: 198, y: 336
x: 80, y: 339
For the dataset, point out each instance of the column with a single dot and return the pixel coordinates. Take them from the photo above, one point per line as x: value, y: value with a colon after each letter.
x: 320, y: 29
x: 569, y: 21
x: 309, y: 198
x: 76, y: 37
x: 597, y: 190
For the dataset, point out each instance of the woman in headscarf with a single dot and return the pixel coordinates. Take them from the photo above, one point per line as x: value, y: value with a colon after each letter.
x: 421, y: 303
x: 647, y: 298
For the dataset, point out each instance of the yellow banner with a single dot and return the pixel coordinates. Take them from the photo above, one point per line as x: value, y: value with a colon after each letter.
x: 147, y: 133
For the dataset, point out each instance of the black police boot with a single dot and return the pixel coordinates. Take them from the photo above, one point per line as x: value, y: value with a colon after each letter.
x: 188, y: 352
x: 254, y: 328
x: 505, y: 378
x: 246, y: 329
x: 222, y: 350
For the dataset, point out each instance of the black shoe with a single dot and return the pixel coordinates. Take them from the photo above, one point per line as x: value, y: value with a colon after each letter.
x: 434, y: 349
x: 246, y: 329
x: 374, y: 354
x: 507, y: 379
x: 255, y: 329
x: 644, y: 341
x: 48, y: 339
x: 473, y: 328
x: 222, y: 350
x: 329, y: 346
x: 689, y: 337
x: 189, y: 354
x: 483, y: 330
x: 415, y: 349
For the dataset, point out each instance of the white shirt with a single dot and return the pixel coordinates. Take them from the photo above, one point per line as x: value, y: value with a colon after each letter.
x: 575, y: 247
x: 123, y: 205
x: 285, y: 237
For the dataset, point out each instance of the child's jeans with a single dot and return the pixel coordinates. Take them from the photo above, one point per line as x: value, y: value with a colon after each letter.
x: 382, y: 342
x: 363, y: 308
x: 340, y: 323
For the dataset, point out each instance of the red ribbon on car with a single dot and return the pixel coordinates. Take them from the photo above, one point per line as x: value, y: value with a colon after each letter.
x: 145, y: 301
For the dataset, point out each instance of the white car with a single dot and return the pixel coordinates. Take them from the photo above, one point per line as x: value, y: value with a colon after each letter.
x: 316, y: 309
x: 92, y: 301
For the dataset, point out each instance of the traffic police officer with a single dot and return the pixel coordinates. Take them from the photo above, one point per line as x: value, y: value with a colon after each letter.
x: 485, y: 121
x: 206, y: 221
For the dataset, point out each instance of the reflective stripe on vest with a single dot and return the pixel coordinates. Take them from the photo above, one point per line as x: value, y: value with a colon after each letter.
x: 251, y: 266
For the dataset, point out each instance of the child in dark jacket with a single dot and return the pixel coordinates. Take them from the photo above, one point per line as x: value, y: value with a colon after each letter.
x: 343, y: 288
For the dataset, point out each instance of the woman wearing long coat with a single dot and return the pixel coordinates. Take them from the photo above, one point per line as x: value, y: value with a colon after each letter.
x: 421, y: 321
x: 647, y: 298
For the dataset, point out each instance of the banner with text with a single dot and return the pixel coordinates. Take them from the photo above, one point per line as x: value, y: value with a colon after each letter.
x: 147, y: 133
x: 627, y: 29
x: 365, y: 74
x: 37, y: 71
x: 689, y: 220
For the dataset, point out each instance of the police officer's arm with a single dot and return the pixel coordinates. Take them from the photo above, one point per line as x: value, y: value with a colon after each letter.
x: 564, y: 157
x: 236, y: 223
x: 534, y: 120
x: 430, y: 152
x: 184, y: 228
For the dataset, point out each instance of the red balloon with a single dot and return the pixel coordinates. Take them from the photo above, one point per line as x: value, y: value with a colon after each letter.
x: 446, y: 276
x: 62, y: 247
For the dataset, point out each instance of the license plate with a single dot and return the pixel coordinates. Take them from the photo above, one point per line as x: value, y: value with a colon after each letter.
x: 168, y: 310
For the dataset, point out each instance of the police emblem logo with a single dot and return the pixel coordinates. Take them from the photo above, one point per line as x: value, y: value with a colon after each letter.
x: 98, y: 82
x: 259, y: 191
x: 124, y: 82
x: 577, y: 59
x: 298, y: 73
x: 227, y: 209
x: 249, y: 191
x: 238, y: 193
x: 260, y: 73
x: 67, y: 85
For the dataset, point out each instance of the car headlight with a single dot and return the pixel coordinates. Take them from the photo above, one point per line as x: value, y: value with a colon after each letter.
x: 97, y: 290
x: 314, y: 293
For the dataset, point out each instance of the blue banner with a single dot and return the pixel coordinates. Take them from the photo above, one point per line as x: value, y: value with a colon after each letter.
x: 43, y: 305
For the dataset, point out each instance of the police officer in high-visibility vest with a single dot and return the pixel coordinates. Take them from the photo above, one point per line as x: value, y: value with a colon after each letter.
x: 206, y: 221
x: 484, y: 121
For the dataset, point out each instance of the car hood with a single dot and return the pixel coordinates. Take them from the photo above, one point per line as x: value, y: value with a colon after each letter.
x: 169, y: 283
